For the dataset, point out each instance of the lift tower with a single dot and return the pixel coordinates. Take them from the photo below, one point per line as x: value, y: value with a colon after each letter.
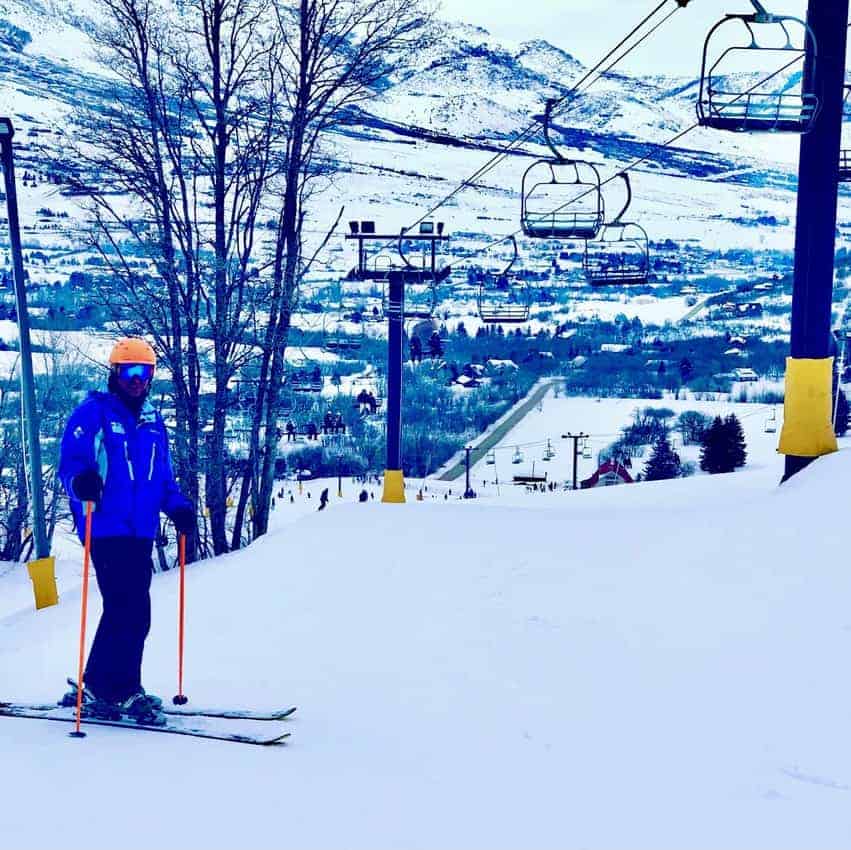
x: 808, y: 423
x: 397, y: 278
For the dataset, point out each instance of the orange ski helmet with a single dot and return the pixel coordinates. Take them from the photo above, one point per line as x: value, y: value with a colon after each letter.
x: 132, y: 349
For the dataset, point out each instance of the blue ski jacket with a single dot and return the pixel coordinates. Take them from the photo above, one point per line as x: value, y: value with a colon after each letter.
x: 132, y: 458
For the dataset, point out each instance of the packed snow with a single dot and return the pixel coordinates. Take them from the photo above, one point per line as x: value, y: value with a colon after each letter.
x: 645, y: 666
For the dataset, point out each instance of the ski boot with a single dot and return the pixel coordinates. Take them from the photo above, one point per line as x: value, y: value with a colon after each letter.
x: 91, y: 705
x: 69, y: 700
x: 153, y: 699
x: 143, y: 709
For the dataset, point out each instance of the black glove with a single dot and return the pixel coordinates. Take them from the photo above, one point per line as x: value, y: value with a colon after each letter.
x: 183, y: 519
x: 87, y: 486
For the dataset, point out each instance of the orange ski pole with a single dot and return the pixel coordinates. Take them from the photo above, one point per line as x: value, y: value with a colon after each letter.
x: 87, y: 545
x: 181, y: 698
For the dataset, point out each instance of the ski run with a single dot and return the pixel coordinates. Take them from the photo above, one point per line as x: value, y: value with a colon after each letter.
x: 656, y: 665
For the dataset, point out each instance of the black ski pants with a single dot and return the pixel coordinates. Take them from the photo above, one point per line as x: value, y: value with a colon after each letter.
x: 123, y: 567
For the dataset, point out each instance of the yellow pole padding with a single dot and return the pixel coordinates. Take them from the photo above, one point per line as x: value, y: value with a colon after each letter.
x: 43, y: 575
x: 808, y: 410
x: 394, y: 487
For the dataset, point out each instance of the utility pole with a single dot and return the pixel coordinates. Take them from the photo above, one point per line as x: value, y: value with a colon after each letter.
x: 469, y: 493
x: 576, y: 438
x: 808, y: 424
x: 30, y: 425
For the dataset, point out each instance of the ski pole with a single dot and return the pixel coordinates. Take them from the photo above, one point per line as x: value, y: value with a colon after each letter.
x: 87, y: 545
x: 181, y: 698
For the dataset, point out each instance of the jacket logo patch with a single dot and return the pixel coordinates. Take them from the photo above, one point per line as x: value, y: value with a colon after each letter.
x: 117, y: 427
x: 78, y: 432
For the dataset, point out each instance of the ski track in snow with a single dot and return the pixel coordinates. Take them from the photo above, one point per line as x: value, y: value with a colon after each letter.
x: 648, y: 666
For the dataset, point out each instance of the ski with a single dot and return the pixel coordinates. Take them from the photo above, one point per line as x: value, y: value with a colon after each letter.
x: 192, y: 711
x: 175, y: 726
x: 230, y: 714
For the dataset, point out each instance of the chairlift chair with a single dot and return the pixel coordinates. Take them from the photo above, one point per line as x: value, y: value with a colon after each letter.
x: 420, y: 302
x: 549, y: 451
x: 586, y: 450
x: 490, y: 459
x: 336, y: 341
x: 517, y: 457
x: 561, y: 198
x: 724, y: 104
x: 620, y: 255
x: 498, y: 308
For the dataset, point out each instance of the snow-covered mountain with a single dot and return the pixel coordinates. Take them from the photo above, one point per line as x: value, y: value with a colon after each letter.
x: 467, y: 95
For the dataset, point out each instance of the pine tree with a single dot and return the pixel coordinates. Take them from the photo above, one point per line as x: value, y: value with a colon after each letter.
x: 712, y: 454
x: 735, y: 441
x: 724, y: 448
x: 664, y: 463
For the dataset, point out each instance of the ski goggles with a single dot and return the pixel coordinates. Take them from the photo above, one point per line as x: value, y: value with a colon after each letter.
x: 142, y: 371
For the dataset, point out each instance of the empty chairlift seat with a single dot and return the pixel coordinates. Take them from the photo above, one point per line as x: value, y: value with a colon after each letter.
x: 619, y: 256
x: 502, y: 299
x: 751, y: 79
x: 561, y: 199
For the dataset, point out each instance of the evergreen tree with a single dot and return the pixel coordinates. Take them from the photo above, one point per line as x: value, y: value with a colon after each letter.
x: 723, y: 446
x: 735, y: 441
x: 712, y: 453
x: 664, y: 463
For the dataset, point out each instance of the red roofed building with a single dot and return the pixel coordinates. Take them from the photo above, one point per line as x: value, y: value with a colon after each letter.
x: 610, y: 472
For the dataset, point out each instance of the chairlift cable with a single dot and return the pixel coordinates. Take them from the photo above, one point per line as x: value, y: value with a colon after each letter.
x: 634, y: 46
x: 634, y: 164
x: 527, y: 132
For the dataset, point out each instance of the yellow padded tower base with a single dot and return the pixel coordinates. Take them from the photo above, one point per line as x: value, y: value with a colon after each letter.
x: 808, y: 410
x: 43, y: 575
x: 394, y: 487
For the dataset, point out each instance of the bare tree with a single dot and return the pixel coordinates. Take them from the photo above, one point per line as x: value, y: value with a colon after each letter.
x: 58, y: 390
x: 336, y: 54
x: 221, y: 114
x: 187, y: 138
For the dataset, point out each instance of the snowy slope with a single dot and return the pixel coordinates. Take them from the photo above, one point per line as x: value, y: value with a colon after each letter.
x: 655, y: 666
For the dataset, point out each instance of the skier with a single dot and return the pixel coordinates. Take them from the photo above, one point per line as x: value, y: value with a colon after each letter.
x: 323, y: 499
x: 115, y: 454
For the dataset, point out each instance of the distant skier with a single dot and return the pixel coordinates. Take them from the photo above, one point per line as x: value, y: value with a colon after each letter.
x: 115, y: 454
x: 323, y: 499
x: 363, y: 496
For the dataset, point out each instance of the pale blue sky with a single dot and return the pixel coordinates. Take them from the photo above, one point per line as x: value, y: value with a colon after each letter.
x: 589, y: 28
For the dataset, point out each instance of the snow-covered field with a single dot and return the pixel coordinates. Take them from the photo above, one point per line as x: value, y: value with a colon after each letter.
x: 602, y: 419
x: 648, y: 666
